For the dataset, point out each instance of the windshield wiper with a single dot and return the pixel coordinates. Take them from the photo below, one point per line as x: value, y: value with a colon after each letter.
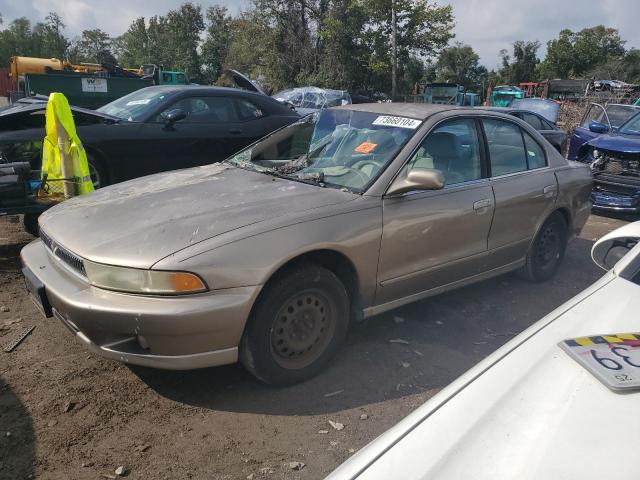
x: 303, y: 178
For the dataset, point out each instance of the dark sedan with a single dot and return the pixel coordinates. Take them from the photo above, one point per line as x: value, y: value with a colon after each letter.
x: 151, y: 130
x: 547, y: 129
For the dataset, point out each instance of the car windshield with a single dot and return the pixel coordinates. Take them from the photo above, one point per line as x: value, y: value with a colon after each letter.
x: 312, y: 97
x: 618, y: 114
x: 336, y: 148
x: 632, y: 126
x: 135, y: 106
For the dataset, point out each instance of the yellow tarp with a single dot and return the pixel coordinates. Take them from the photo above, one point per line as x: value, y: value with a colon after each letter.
x: 58, y: 108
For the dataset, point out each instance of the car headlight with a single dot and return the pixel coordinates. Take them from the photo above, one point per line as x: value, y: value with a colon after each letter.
x: 596, y: 153
x: 134, y: 280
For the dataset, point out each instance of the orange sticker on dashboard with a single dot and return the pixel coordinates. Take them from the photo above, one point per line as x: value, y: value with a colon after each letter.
x: 366, y: 147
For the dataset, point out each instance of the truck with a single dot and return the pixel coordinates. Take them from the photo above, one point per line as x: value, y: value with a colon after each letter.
x: 88, y: 85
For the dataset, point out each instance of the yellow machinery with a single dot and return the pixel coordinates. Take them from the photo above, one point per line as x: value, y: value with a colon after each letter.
x: 31, y: 65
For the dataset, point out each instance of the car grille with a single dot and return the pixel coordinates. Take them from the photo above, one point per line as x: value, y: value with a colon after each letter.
x: 619, y: 164
x: 71, y: 260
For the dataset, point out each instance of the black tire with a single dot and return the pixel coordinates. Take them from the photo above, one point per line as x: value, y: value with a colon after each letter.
x: 98, y: 173
x: 30, y: 222
x: 296, y: 326
x: 547, y: 250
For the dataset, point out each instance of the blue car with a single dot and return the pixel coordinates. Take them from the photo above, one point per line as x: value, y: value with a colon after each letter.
x: 599, y: 120
x: 615, y: 163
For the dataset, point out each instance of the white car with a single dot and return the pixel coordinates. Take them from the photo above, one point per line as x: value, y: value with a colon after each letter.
x: 559, y: 401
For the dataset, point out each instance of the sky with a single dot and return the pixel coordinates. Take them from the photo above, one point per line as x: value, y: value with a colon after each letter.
x: 487, y: 25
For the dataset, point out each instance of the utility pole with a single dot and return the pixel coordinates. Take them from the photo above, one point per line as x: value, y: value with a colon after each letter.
x: 394, y: 59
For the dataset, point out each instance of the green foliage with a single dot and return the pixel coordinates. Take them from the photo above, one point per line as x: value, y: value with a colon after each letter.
x: 460, y: 64
x: 522, y: 67
x: 215, y: 47
x: 574, y: 54
x: 91, y: 42
x: 343, y: 44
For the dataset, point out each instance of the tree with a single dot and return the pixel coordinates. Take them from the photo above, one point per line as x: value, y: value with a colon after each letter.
x: 574, y: 54
x: 133, y: 45
x: 522, y: 66
x: 398, y: 29
x: 92, y: 42
x: 52, y: 41
x: 459, y: 64
x: 216, y: 44
x: 183, y: 29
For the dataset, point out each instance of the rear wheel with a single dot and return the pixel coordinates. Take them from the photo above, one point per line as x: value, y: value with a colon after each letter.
x: 296, y: 326
x: 547, y: 250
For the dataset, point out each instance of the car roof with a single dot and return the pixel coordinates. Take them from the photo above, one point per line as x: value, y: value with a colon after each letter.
x: 174, y: 89
x: 419, y: 111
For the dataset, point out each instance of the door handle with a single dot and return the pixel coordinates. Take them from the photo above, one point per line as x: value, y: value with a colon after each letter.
x: 480, y: 204
x: 549, y: 190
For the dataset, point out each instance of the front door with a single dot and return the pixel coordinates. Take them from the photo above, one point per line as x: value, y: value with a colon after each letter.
x: 211, y: 132
x: 433, y: 238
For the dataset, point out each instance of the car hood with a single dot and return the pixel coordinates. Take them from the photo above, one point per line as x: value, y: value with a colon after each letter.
x: 139, y: 222
x: 528, y: 411
x: 617, y: 143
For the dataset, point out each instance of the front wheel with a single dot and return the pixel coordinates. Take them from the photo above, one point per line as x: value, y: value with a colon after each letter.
x: 547, y: 250
x: 296, y: 327
x: 97, y: 172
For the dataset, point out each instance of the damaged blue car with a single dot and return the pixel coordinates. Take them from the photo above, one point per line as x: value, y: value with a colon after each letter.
x: 615, y: 164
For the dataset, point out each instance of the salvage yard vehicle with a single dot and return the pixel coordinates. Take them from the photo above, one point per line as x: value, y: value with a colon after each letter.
x: 599, y: 120
x: 150, y: 130
x: 546, y: 126
x: 266, y: 257
x: 542, y: 406
x: 615, y: 163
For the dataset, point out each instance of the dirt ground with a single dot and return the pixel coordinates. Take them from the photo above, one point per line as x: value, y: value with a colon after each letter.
x: 67, y: 414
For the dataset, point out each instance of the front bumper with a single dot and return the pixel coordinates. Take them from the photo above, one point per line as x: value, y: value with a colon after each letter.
x: 615, y: 202
x: 177, y: 333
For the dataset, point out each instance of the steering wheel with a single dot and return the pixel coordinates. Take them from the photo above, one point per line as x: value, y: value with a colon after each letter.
x: 358, y: 172
x: 362, y: 163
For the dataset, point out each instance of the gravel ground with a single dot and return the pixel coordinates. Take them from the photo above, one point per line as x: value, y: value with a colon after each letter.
x: 67, y: 414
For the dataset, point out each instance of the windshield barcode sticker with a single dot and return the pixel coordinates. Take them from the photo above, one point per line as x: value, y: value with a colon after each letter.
x: 401, y: 122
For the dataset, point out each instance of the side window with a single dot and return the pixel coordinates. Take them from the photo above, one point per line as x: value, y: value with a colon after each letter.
x: 506, y: 148
x: 452, y: 148
x: 535, y: 153
x: 533, y: 121
x: 595, y: 114
x: 547, y: 125
x: 205, y: 110
x: 247, y: 110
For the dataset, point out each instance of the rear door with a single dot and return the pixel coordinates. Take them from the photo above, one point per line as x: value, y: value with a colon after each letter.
x: 524, y: 186
x: 432, y: 238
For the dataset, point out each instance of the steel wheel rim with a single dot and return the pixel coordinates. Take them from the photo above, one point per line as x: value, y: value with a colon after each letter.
x: 95, y: 176
x: 302, y: 329
x: 548, y: 247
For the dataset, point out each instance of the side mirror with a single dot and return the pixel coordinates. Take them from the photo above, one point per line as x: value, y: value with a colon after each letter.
x: 174, y: 116
x: 417, y: 179
x: 611, y: 248
x: 597, y: 127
